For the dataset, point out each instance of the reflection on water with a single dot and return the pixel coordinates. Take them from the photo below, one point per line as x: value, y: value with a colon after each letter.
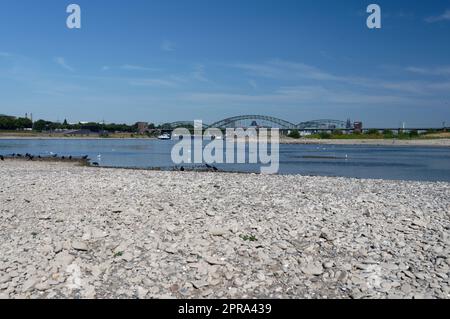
x: 360, y: 161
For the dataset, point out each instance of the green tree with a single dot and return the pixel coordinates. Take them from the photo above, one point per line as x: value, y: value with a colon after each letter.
x: 325, y: 135
x: 294, y: 134
x: 373, y: 132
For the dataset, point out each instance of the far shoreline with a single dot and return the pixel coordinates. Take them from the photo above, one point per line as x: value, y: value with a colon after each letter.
x: 436, y: 142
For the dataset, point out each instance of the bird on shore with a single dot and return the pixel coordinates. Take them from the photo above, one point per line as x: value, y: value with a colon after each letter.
x: 55, y: 155
x: 182, y: 169
x: 70, y: 157
x: 85, y: 157
x: 95, y: 164
x: 215, y: 169
x: 63, y: 158
x: 2, y: 158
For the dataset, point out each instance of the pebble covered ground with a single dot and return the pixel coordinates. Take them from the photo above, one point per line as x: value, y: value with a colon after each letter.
x: 69, y: 231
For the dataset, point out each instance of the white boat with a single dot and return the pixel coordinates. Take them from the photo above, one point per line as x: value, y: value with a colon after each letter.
x: 164, y: 137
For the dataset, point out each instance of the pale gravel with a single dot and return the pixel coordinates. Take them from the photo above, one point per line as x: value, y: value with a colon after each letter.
x: 80, y: 232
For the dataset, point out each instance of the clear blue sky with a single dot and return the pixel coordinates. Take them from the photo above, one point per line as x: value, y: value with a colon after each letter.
x: 169, y: 60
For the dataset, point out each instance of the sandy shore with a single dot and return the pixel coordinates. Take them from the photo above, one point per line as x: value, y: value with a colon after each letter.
x: 388, y: 142
x: 444, y: 142
x: 81, y: 232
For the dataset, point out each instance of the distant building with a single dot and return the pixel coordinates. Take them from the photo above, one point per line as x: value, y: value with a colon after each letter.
x: 358, y: 127
x: 142, y: 127
x: 348, y: 125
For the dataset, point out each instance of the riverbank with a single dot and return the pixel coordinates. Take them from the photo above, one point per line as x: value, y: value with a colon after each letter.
x: 72, y: 231
x: 433, y: 142
x: 445, y: 142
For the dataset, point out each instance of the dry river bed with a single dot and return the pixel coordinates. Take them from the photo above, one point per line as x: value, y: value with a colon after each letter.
x: 68, y: 231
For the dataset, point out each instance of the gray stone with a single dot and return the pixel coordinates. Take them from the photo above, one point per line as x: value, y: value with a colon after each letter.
x: 80, y: 246
x: 312, y: 269
x: 5, y: 278
x: 218, y: 231
x: 199, y: 284
x: 29, y: 284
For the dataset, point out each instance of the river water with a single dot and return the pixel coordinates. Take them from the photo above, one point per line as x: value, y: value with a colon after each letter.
x: 359, y: 161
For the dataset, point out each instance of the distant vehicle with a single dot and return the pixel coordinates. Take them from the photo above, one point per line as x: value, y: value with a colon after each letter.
x: 164, y: 136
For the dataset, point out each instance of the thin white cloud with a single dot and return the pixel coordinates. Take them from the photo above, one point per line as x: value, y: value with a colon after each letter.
x: 262, y: 70
x: 153, y: 82
x: 286, y: 69
x: 199, y: 73
x: 293, y: 71
x: 443, y: 17
x: 253, y: 84
x: 304, y: 95
x: 62, y: 62
x: 106, y: 68
x: 132, y: 67
x: 443, y: 70
x: 168, y: 46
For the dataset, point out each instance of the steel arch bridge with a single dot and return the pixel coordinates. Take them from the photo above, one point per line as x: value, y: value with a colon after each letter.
x: 178, y: 124
x: 322, y: 124
x: 267, y: 121
x: 244, y: 121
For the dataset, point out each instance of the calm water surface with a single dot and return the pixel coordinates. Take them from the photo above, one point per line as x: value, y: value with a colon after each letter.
x: 360, y: 161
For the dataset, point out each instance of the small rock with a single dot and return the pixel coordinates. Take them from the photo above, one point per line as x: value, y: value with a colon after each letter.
x: 58, y: 248
x: 406, y: 288
x: 214, y: 261
x: 147, y: 282
x: 218, y: 232
x: 127, y: 256
x: 327, y: 235
x: 42, y: 286
x: 328, y: 264
x: 171, y: 249
x: 313, y: 269
x: 5, y: 278
x: 98, y: 233
x: 29, y: 284
x: 199, y: 284
x: 261, y: 276
x: 141, y: 292
x: 79, y: 245
x: 237, y: 282
x: 420, y: 223
x: 63, y: 259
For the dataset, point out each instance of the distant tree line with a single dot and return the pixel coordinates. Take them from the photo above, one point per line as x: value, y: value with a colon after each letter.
x: 43, y: 125
x: 18, y: 123
x: 14, y: 123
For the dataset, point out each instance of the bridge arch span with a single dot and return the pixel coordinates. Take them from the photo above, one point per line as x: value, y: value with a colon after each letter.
x: 232, y: 121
